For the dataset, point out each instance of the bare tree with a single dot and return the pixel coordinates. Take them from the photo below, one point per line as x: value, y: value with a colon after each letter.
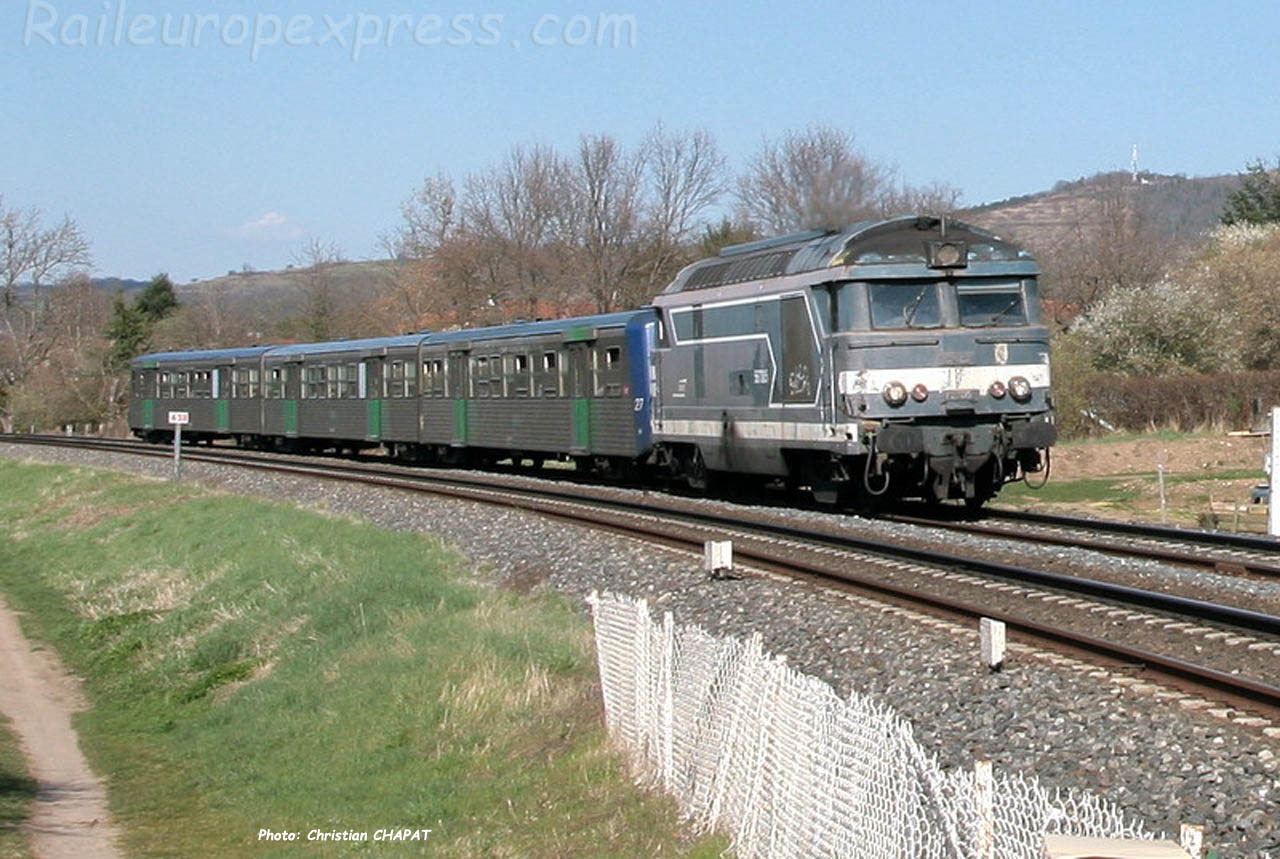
x: 208, y: 319
x: 1108, y: 244
x: 522, y: 211
x: 32, y: 254
x: 686, y: 172
x: 546, y: 234
x: 448, y: 274
x: 432, y: 217
x: 686, y: 177
x: 605, y: 212
x: 937, y: 198
x: 31, y: 257
x: 322, y: 302
x: 812, y: 179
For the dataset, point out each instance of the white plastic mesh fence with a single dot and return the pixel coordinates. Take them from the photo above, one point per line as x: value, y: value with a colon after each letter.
x: 776, y: 759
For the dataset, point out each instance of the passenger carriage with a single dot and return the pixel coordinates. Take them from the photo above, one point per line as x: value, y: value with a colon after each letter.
x: 217, y: 388
x: 572, y: 388
x: 349, y: 394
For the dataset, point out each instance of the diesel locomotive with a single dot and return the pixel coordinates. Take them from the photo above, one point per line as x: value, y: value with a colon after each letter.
x: 902, y: 358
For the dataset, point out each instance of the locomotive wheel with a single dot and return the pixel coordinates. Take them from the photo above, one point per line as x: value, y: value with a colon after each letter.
x: 695, y: 471
x: 984, y: 488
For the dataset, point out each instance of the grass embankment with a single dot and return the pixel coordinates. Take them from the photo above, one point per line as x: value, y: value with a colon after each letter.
x: 17, y: 791
x: 255, y: 666
x: 1119, y: 475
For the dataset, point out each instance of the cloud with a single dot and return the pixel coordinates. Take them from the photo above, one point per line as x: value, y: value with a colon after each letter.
x: 270, y: 227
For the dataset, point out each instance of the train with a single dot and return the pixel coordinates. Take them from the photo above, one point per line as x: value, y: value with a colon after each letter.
x: 903, y: 358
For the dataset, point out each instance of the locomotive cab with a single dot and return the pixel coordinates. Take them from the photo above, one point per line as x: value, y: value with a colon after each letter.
x: 904, y: 358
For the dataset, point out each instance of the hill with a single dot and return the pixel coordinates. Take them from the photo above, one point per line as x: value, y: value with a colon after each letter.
x: 1175, y: 208
x: 272, y: 296
x: 118, y: 284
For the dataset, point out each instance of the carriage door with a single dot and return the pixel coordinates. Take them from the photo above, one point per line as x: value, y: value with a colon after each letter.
x: 146, y: 390
x: 292, y: 393
x: 369, y: 389
x: 222, y: 398
x: 459, y: 383
x: 580, y: 390
x: 799, y: 352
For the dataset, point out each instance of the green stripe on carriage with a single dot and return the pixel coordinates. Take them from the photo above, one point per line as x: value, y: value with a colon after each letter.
x: 459, y: 420
x: 375, y: 420
x: 149, y: 414
x: 222, y: 414
x: 291, y: 417
x: 582, y: 423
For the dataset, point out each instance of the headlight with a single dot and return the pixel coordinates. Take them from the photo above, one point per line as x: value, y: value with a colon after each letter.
x: 1020, y: 389
x: 920, y: 393
x: 895, y: 393
x: 996, y: 390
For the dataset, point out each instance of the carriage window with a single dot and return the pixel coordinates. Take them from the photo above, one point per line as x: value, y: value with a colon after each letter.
x: 410, y: 378
x: 201, y: 384
x: 495, y: 376
x: 548, y: 381
x: 244, y: 382
x: 480, y: 377
x: 608, y: 373
x: 990, y: 307
x: 519, y: 376
x: 910, y: 305
x: 400, y: 379
x: 316, y: 379
x: 275, y: 384
x: 433, y: 378
x: 342, y: 383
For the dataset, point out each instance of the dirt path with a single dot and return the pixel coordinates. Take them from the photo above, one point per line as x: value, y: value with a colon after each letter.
x: 38, y: 696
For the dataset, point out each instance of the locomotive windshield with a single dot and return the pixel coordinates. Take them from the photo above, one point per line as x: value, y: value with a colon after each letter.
x: 991, y: 306
x: 906, y: 305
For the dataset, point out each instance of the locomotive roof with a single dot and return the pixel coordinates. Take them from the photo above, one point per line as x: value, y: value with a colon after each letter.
x: 896, y: 241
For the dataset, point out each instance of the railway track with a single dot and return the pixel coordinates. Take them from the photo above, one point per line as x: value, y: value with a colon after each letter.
x: 1082, y: 615
x: 1232, y: 554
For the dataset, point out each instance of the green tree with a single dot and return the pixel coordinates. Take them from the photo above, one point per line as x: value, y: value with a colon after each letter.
x: 1257, y: 200
x: 724, y: 234
x: 157, y: 299
x: 129, y: 334
x: 132, y: 325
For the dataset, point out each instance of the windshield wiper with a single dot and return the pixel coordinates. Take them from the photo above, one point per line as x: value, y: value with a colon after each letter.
x: 910, y: 313
x: 1017, y: 301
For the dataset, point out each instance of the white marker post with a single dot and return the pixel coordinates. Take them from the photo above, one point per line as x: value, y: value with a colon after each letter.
x: 991, y: 636
x: 717, y: 558
x: 177, y: 420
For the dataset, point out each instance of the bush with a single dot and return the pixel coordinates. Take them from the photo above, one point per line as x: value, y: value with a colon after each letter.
x: 1160, y: 328
x: 1186, y: 402
x: 1074, y: 378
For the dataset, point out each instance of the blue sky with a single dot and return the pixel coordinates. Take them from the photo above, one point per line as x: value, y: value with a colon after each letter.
x: 197, y: 158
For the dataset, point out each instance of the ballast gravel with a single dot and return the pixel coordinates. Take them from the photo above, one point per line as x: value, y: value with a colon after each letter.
x: 1164, y: 760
